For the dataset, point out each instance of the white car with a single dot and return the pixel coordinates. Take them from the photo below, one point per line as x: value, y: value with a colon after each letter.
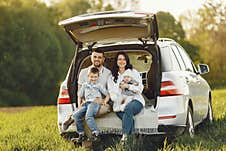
x: 177, y: 97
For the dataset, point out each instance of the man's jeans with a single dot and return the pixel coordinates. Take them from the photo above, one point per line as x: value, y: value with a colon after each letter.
x: 89, y: 109
x: 131, y: 109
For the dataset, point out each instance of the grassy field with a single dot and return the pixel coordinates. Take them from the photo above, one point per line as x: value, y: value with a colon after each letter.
x: 36, y: 129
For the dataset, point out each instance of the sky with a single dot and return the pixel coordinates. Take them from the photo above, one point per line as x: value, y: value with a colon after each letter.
x: 175, y: 7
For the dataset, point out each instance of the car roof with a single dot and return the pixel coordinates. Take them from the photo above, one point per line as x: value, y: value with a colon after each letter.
x: 162, y: 42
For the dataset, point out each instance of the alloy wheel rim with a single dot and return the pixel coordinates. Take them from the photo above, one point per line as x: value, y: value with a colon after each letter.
x: 210, y: 112
x: 191, y: 125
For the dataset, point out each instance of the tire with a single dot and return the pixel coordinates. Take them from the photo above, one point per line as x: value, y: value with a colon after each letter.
x: 190, y: 128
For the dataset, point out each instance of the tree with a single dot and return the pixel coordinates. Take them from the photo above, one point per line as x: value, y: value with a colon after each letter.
x: 32, y: 57
x: 170, y: 28
x: 69, y: 8
x: 210, y: 34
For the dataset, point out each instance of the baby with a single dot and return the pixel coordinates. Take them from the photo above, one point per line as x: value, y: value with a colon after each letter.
x: 124, y: 96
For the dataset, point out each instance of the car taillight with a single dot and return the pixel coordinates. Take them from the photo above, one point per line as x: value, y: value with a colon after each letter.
x: 64, y: 97
x: 168, y: 89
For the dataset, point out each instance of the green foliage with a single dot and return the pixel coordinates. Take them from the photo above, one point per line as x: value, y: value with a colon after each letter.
x: 192, y: 50
x: 210, y: 34
x: 69, y: 8
x: 170, y: 28
x: 33, y: 54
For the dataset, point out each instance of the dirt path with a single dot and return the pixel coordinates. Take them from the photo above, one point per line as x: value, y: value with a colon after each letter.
x: 15, y: 109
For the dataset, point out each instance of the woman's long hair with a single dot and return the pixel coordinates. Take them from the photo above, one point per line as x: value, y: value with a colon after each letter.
x: 115, y: 67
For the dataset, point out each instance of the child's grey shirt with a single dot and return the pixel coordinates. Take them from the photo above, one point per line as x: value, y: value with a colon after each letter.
x: 91, y: 91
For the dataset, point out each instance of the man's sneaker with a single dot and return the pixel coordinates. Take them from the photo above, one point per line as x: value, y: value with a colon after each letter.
x: 79, y: 139
x: 67, y: 123
x: 95, y: 137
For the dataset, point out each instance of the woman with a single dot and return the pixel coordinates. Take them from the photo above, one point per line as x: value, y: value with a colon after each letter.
x: 122, y: 64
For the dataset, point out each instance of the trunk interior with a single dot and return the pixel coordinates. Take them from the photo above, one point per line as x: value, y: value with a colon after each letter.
x: 144, y: 59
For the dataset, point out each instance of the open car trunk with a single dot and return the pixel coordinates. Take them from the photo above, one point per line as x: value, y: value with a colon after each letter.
x: 111, y: 26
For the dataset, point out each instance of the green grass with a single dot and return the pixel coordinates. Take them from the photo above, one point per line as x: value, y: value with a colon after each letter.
x: 36, y: 129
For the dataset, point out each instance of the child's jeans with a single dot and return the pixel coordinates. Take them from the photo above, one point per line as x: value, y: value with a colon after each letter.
x: 89, y: 109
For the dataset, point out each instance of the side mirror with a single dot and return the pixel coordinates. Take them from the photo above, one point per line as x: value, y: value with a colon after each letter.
x: 203, y: 68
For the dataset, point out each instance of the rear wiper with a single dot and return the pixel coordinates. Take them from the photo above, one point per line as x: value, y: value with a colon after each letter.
x: 91, y: 46
x: 143, y: 41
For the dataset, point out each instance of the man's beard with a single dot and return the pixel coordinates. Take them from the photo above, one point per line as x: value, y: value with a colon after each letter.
x: 97, y: 65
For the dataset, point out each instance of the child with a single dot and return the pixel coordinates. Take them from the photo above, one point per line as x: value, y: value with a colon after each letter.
x: 126, y: 95
x: 91, y: 91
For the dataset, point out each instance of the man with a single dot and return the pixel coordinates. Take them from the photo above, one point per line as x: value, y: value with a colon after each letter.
x: 97, y: 59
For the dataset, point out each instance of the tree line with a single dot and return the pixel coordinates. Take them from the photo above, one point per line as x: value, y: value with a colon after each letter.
x: 35, y: 52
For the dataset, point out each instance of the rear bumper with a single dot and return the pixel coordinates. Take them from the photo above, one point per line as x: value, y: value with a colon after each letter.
x: 172, y: 110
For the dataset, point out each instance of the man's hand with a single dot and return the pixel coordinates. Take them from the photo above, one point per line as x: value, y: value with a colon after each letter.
x: 80, y: 105
x: 81, y: 102
x: 99, y: 100
x: 106, y: 100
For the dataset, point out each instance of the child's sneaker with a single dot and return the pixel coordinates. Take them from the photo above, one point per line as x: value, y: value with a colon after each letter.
x: 67, y: 123
x: 95, y: 138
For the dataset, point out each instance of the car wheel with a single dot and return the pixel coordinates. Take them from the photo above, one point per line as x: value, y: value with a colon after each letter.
x: 209, y: 117
x: 190, y: 128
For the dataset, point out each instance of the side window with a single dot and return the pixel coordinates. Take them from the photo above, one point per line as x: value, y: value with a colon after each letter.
x: 165, y: 59
x: 169, y: 61
x: 178, y: 57
x: 175, y: 62
x: 186, y: 58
